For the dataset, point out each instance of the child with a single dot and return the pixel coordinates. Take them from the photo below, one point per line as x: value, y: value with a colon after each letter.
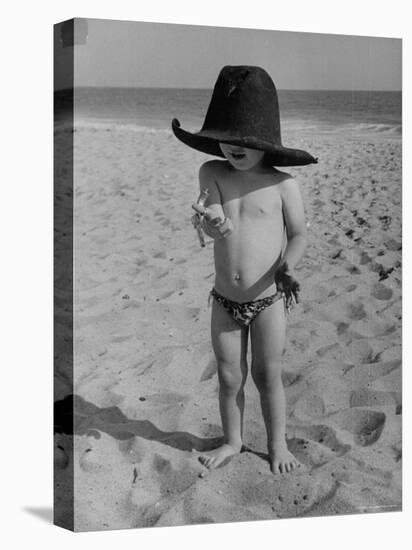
x: 250, y: 210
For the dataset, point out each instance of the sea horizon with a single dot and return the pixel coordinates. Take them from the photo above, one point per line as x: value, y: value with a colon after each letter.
x: 346, y: 112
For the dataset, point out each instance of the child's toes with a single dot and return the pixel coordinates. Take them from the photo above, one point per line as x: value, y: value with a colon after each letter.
x: 206, y: 461
x: 293, y: 465
x: 210, y: 462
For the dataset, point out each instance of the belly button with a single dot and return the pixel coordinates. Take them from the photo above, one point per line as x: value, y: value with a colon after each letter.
x: 236, y: 277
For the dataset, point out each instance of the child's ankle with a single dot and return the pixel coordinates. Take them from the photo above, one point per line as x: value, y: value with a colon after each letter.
x: 234, y: 444
x: 277, y: 444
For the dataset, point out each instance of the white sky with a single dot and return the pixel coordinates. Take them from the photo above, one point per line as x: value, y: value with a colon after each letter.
x: 124, y: 53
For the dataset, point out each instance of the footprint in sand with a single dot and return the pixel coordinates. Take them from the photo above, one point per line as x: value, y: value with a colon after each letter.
x: 290, y: 378
x: 360, y: 351
x: 171, y: 480
x: 143, y: 493
x: 364, y: 424
x: 322, y: 435
x: 353, y: 269
x: 311, y: 405
x: 356, y: 311
x: 351, y: 288
x: 159, y: 254
x: 325, y: 350
x: 209, y: 371
x: 61, y: 458
x: 367, y: 373
x: 341, y: 327
x: 133, y: 449
x: 392, y: 244
x: 161, y: 465
x: 318, y: 294
x: 382, y: 271
x: 372, y: 398
x: 93, y: 460
x: 181, y: 284
x: 166, y: 294
x: 365, y: 258
x: 397, y: 452
x: 310, y: 454
x: 375, y: 267
x: 381, y: 292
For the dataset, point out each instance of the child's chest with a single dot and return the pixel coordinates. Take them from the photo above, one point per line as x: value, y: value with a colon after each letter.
x: 255, y: 201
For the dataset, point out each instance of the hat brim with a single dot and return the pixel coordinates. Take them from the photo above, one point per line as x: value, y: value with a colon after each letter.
x: 207, y: 141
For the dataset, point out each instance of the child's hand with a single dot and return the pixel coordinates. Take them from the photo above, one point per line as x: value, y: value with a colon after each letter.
x: 288, y: 285
x: 200, y: 209
x: 214, y: 227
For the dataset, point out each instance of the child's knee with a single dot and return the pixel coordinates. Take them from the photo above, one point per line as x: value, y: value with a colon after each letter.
x: 267, y: 376
x: 231, y: 377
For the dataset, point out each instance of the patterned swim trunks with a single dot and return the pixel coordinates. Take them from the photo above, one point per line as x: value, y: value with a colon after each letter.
x: 245, y: 312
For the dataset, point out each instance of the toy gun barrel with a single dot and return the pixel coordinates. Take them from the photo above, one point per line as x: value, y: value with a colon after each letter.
x: 200, y: 233
x: 196, y: 219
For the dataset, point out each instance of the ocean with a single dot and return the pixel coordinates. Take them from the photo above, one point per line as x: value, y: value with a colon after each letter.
x: 324, y: 111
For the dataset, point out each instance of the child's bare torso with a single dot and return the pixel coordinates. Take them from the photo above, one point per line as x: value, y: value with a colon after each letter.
x: 246, y: 260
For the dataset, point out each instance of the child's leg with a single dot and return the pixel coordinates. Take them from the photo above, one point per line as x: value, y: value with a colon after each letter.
x: 268, y: 342
x: 229, y: 342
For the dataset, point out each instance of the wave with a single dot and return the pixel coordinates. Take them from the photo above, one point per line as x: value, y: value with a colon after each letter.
x: 291, y: 127
x: 377, y: 128
x: 350, y: 129
x: 107, y: 125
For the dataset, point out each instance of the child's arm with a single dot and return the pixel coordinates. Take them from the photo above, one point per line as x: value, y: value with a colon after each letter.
x: 213, y: 220
x: 294, y: 215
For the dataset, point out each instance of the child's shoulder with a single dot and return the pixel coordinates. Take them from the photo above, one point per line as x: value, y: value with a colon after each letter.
x: 286, y: 181
x: 289, y: 189
x: 282, y: 177
x: 212, y: 167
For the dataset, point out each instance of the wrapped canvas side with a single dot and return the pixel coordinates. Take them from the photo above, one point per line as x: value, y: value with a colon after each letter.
x: 63, y: 275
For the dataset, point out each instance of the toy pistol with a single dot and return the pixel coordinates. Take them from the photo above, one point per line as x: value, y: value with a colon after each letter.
x: 197, y: 218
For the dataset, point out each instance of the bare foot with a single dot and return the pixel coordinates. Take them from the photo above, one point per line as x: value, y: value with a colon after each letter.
x: 212, y: 459
x: 282, y: 461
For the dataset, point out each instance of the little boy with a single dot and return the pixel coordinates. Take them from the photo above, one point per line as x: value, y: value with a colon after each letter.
x: 251, y: 211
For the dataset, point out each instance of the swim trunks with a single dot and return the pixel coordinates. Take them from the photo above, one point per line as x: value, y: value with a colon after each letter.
x: 245, y: 312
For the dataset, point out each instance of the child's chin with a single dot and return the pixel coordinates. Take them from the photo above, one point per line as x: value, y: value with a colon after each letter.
x: 240, y: 165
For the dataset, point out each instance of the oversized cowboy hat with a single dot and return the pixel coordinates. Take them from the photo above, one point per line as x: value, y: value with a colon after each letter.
x: 243, y: 111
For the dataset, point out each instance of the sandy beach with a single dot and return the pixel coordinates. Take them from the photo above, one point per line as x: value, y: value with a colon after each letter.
x: 145, y: 384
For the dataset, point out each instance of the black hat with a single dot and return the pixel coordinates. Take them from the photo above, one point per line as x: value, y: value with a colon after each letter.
x: 243, y: 111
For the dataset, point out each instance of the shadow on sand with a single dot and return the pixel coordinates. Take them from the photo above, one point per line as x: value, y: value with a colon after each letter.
x: 73, y: 415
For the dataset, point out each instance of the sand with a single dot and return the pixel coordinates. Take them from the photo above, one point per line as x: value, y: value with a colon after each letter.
x: 145, y: 381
